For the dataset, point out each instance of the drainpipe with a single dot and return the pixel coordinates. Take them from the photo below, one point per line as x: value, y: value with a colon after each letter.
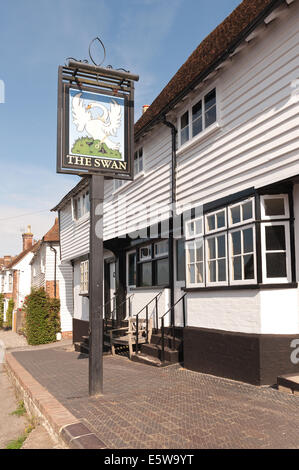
x: 173, y: 200
x: 55, y: 265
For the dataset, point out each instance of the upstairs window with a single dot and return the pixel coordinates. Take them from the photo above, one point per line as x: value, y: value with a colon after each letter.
x: 81, y: 205
x: 198, y: 117
x: 138, y: 161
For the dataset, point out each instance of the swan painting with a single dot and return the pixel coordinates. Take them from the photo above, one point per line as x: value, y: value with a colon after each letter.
x: 96, y: 132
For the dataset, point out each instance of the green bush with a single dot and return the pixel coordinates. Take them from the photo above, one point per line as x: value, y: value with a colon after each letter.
x: 9, y: 313
x: 1, y: 310
x: 42, y: 317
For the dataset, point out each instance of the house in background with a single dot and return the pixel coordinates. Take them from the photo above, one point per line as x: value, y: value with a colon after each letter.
x: 221, y: 142
x: 48, y: 272
x: 6, y: 281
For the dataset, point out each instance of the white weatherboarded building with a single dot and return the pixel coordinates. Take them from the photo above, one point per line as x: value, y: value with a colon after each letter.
x: 221, y: 142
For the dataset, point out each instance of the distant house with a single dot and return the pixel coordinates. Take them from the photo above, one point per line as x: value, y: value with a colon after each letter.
x: 48, y: 272
x: 6, y: 281
x: 222, y: 139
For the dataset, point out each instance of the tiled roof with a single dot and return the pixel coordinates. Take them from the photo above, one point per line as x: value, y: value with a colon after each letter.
x: 215, y: 48
x: 53, y: 234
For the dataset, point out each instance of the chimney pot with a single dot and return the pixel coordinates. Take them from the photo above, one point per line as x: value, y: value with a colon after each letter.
x: 27, y: 239
x: 145, y: 108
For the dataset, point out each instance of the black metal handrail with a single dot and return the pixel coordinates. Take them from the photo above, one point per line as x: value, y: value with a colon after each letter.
x: 147, y: 318
x: 181, y: 299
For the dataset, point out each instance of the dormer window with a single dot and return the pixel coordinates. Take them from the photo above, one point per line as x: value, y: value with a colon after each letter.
x: 81, y: 205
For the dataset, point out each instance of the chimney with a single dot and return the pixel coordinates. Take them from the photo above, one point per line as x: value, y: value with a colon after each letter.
x: 27, y: 239
x: 7, y: 260
x: 145, y: 108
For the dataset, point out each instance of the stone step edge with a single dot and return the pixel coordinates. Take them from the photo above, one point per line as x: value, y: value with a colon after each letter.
x: 61, y: 424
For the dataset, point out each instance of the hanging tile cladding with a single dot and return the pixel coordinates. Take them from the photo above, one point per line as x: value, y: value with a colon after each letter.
x: 257, y: 143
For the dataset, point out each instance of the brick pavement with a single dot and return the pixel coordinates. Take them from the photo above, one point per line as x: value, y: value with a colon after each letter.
x: 171, y: 408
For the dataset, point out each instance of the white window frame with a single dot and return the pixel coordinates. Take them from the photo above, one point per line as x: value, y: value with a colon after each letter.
x: 276, y: 280
x: 145, y: 258
x: 188, y: 262
x: 188, y: 109
x: 79, y: 198
x: 231, y: 256
x: 216, y: 229
x: 194, y: 234
x: 84, y: 277
x: 139, y: 157
x: 217, y: 283
x: 242, y: 222
x: 275, y: 196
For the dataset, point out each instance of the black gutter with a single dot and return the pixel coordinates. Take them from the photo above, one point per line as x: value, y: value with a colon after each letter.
x: 55, y: 267
x: 260, y: 18
x: 173, y: 200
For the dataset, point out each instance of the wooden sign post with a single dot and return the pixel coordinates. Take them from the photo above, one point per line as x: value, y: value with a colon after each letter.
x: 95, y: 138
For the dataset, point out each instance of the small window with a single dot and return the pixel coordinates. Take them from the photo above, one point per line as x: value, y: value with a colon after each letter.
x: 216, y: 259
x: 215, y: 221
x: 118, y: 184
x: 84, y: 273
x: 81, y: 205
x: 210, y: 108
x: 195, y: 262
x: 185, y: 128
x: 197, y: 118
x: 242, y: 254
x: 138, y: 161
x: 241, y: 213
x: 276, y: 251
x: 146, y: 274
x: 194, y: 228
x: 275, y: 206
x: 162, y: 272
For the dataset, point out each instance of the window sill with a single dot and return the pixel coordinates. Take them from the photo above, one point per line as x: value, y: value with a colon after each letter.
x: 199, y: 138
x: 82, y: 219
x: 290, y: 285
x: 139, y: 288
x: 84, y: 294
x: 127, y: 183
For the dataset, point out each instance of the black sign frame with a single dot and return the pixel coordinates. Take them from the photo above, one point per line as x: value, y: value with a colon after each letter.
x: 118, y: 84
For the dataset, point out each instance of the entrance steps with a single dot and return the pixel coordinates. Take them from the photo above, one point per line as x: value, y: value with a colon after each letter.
x: 289, y: 383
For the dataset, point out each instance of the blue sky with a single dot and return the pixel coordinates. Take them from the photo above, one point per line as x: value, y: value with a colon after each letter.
x: 152, y: 38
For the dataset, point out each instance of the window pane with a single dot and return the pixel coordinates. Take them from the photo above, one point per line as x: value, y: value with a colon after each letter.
x: 236, y: 242
x: 132, y: 270
x: 220, y: 219
x: 210, y: 99
x: 197, y: 119
x: 199, y: 252
x: 161, y: 248
x: 247, y: 210
x: 248, y: 240
x: 146, y: 274
x: 276, y: 265
x: 212, y: 271
x: 162, y: 272
x: 199, y: 272
x: 275, y: 237
x: 191, y: 253
x: 221, y: 270
x: 221, y: 246
x: 191, y: 269
x: 145, y: 252
x: 180, y: 259
x: 198, y: 227
x: 196, y: 110
x: 274, y: 206
x: 235, y: 214
x: 211, y: 222
x: 184, y: 120
x: 210, y: 116
x: 237, y: 268
x: 211, y: 248
x: 248, y: 267
x: 184, y: 135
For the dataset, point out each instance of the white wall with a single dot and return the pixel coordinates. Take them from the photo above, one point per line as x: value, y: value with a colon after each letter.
x: 24, y: 285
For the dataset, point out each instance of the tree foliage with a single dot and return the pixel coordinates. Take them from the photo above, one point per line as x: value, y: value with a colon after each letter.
x: 1, y: 310
x: 9, y: 313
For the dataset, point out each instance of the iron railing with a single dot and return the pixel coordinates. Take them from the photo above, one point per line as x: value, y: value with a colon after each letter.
x: 181, y: 299
x: 147, y: 317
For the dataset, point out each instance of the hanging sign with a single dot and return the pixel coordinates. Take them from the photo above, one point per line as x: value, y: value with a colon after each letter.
x: 95, y: 121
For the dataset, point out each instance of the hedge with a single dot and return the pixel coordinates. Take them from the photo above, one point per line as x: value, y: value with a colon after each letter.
x: 9, y: 313
x: 1, y: 310
x: 42, y: 317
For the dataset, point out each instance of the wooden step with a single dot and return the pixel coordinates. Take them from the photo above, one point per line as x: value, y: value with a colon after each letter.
x: 155, y: 350
x: 149, y: 360
x: 289, y: 383
x: 157, y: 339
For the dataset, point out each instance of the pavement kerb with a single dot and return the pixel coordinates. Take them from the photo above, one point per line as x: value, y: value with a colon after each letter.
x: 62, y: 425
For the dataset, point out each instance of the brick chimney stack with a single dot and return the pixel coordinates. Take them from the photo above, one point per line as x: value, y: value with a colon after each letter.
x: 27, y: 239
x: 7, y: 260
